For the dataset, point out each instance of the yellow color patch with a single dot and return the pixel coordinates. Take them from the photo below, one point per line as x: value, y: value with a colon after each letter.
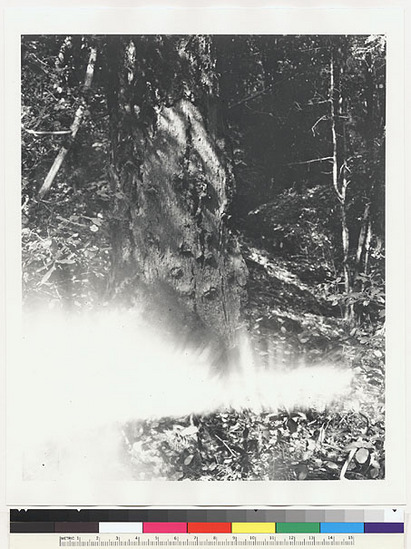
x: 253, y: 527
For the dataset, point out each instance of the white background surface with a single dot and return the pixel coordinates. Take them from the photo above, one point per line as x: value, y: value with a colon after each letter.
x: 304, y: 21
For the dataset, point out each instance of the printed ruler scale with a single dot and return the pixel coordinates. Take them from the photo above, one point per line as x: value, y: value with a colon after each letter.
x: 243, y: 541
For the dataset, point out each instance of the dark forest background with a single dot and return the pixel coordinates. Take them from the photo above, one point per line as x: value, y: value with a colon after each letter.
x: 220, y: 183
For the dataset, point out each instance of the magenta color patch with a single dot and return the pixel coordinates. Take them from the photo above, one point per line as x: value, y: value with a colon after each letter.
x: 165, y: 527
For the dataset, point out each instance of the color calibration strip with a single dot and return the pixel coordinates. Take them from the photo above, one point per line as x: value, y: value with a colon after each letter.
x: 208, y: 521
x: 209, y: 527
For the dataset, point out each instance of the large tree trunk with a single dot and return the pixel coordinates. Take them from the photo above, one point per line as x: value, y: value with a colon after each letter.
x: 172, y: 251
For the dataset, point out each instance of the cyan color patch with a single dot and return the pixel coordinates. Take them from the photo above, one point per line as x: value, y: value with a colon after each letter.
x: 342, y: 528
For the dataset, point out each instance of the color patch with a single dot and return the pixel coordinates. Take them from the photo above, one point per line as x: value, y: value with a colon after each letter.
x: 298, y: 527
x: 76, y: 527
x: 342, y: 528
x: 384, y: 528
x: 120, y: 527
x: 31, y: 527
x: 253, y: 527
x: 209, y: 528
x: 164, y: 527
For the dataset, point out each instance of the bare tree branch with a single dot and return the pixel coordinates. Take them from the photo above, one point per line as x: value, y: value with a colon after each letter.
x: 324, y: 117
x: 251, y: 97
x: 263, y: 91
x: 323, y: 159
x: 35, y: 132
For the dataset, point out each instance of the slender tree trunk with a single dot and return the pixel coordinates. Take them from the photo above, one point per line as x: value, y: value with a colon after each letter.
x: 345, y: 237
x: 340, y: 188
x: 349, y: 312
x: 367, y: 245
x: 78, y: 117
x: 334, y: 130
x: 173, y: 255
x: 362, y: 236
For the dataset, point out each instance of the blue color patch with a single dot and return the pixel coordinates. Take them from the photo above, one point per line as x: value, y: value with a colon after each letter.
x: 342, y: 528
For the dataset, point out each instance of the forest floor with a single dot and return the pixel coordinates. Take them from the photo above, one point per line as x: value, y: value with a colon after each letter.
x: 291, y: 326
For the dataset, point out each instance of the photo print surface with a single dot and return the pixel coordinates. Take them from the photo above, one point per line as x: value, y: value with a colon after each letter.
x: 203, y: 244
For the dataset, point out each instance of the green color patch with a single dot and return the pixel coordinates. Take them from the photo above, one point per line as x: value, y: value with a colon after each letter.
x: 298, y: 528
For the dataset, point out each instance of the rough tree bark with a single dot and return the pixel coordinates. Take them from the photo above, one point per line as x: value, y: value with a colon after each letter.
x: 172, y: 251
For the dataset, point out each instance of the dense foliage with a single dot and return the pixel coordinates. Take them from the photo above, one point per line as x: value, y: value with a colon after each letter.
x: 303, y: 118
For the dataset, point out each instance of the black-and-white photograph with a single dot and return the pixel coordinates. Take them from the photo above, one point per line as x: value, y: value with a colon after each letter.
x: 203, y: 256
